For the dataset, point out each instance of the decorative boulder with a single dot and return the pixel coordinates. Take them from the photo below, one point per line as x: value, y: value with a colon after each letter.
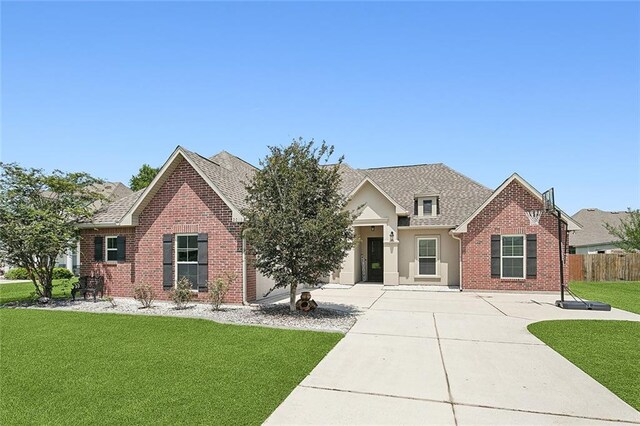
x: 305, y: 303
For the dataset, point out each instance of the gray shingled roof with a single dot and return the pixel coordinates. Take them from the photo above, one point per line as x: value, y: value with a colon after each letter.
x: 228, y: 172
x: 458, y: 196
x: 114, y: 212
x: 593, y: 230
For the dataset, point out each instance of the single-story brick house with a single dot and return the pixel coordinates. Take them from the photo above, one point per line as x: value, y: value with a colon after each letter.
x: 423, y: 224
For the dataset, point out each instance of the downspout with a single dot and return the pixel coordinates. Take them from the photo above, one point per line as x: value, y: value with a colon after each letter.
x: 459, y: 256
x: 244, y: 271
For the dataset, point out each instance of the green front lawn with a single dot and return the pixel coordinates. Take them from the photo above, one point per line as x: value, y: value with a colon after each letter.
x: 606, y: 350
x: 82, y: 368
x: 22, y: 292
x: 620, y: 294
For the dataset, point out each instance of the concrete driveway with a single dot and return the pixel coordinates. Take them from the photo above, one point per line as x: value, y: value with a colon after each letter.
x: 418, y: 357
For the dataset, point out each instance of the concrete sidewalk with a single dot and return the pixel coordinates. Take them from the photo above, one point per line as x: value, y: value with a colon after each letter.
x: 450, y: 358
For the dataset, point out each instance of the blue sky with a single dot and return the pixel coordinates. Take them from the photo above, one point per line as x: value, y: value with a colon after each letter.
x: 550, y: 90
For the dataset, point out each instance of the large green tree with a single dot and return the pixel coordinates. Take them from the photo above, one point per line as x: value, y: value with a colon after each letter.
x: 627, y: 232
x: 143, y: 178
x: 297, y: 222
x: 38, y: 217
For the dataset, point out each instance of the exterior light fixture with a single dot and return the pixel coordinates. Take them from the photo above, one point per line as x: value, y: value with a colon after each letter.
x: 391, y: 236
x: 373, y: 228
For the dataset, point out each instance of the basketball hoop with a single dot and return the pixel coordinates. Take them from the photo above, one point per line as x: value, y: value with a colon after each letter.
x: 534, y: 216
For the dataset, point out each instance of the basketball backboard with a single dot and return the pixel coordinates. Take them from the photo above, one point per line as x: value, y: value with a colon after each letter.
x: 548, y: 200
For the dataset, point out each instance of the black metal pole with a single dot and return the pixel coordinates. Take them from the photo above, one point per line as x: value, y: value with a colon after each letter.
x: 561, y: 257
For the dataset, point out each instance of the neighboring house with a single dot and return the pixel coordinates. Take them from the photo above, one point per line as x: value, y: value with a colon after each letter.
x: 594, y: 237
x: 112, y: 191
x: 424, y: 224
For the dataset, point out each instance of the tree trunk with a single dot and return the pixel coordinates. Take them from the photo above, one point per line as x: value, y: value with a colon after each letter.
x: 48, y: 290
x: 292, y: 297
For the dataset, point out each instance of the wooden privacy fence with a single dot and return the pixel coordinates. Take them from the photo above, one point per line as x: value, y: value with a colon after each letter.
x: 604, y: 267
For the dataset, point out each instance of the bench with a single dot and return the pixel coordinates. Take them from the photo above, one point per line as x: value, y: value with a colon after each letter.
x: 93, y: 285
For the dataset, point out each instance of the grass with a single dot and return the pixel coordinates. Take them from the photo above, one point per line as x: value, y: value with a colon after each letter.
x: 23, y: 291
x: 621, y: 294
x: 606, y: 350
x: 83, y: 368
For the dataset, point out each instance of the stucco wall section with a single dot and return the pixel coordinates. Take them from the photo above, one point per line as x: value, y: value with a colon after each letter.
x: 449, y: 253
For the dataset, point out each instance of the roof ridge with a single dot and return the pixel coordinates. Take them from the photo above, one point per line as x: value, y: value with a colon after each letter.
x: 403, y: 166
x: 466, y: 177
x: 202, y: 157
x: 234, y: 156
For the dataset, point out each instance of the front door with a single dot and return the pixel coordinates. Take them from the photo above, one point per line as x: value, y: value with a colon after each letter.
x: 375, y: 256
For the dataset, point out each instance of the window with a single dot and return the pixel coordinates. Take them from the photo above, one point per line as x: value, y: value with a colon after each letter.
x: 427, y: 207
x: 427, y: 256
x: 512, y: 256
x: 187, y: 258
x: 111, y: 254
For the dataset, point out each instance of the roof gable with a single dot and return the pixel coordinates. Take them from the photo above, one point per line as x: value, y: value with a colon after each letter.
x: 458, y: 195
x: 399, y: 209
x: 462, y: 228
x: 201, y: 165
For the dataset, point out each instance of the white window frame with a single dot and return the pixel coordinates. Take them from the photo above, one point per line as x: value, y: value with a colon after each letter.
x: 175, y: 260
x: 107, y: 249
x: 523, y: 257
x: 436, y: 238
x: 434, y: 206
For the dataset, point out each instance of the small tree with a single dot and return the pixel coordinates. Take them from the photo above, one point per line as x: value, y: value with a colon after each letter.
x: 297, y: 222
x: 38, y: 217
x: 143, y: 178
x: 628, y: 231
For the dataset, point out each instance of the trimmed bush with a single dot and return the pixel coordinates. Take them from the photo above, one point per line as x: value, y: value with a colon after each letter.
x: 144, y: 294
x: 22, y: 274
x: 182, y: 295
x: 62, y: 274
x: 17, y: 274
x: 218, y: 289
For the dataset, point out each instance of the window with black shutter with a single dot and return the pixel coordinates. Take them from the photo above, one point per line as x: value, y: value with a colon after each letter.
x: 167, y: 262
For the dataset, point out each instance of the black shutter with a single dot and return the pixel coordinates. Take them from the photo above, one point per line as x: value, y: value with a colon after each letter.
x: 98, y: 243
x: 532, y: 257
x: 203, y: 261
x: 495, y: 256
x: 121, y: 244
x: 415, y: 207
x: 167, y: 262
x: 438, y: 206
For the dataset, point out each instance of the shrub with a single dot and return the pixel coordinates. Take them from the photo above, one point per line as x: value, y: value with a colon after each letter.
x: 17, y: 274
x: 145, y: 294
x: 182, y: 295
x: 218, y: 289
x: 22, y: 274
x: 62, y: 274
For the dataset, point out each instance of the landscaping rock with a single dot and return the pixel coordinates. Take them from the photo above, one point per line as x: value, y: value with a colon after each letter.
x: 273, y: 315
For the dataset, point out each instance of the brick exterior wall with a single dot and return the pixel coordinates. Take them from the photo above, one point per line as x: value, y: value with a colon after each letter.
x: 118, y: 276
x: 185, y: 203
x: 506, y: 214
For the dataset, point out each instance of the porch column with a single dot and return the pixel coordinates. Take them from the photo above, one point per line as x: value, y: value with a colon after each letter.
x: 69, y: 260
x: 391, y: 274
x: 349, y: 267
